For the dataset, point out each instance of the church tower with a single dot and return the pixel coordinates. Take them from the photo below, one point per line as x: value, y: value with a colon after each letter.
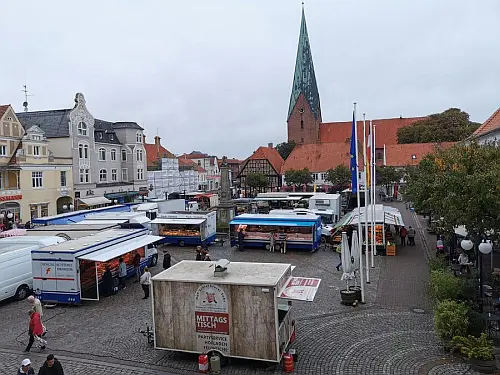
x: 304, y: 112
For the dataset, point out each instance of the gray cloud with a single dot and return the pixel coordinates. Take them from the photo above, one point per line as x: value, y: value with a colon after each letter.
x: 216, y: 76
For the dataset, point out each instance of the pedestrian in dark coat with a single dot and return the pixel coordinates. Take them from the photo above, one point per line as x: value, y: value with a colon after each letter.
x: 402, y: 233
x: 107, y: 282
x: 166, y: 260
x: 51, y: 367
x: 26, y: 368
x: 241, y: 237
x: 199, y: 253
x: 137, y: 267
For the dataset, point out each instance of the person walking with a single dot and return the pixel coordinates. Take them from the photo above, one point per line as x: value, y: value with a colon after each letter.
x: 122, y: 273
x: 282, y: 241
x: 26, y: 368
x: 51, y: 366
x: 402, y: 233
x: 241, y: 237
x: 411, y: 236
x: 271, y: 242
x: 207, y: 257
x: 137, y: 267
x: 107, y: 282
x: 146, y: 282
x: 36, y: 305
x: 339, y: 251
x: 35, y: 330
x: 167, y: 259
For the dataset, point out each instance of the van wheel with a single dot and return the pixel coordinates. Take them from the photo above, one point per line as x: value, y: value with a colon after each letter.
x: 21, y: 292
x: 181, y: 243
x: 154, y: 260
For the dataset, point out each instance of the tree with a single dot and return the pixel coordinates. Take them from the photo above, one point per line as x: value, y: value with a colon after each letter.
x: 299, y: 177
x: 452, y: 125
x: 386, y: 176
x: 339, y: 176
x: 460, y: 185
x: 285, y: 148
x: 257, y: 181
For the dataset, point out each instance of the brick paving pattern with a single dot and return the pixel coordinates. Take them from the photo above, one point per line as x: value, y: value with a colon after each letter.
x: 383, y: 336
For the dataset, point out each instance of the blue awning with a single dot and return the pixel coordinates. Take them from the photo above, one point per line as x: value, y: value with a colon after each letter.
x: 274, y: 223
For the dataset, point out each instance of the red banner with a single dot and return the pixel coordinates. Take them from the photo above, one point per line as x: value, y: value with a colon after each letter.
x: 10, y: 197
x: 211, y: 322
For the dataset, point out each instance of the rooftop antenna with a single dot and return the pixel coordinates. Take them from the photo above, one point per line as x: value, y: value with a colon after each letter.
x: 25, y: 103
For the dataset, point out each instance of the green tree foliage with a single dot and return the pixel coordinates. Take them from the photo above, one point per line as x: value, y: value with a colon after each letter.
x: 387, y: 176
x: 339, y: 176
x: 451, y: 319
x: 299, y: 177
x: 285, y: 148
x: 257, y: 180
x: 461, y: 186
x: 451, y: 125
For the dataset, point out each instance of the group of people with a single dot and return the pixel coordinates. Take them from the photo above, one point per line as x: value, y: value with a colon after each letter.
x: 202, y: 254
x: 404, y: 233
x: 36, y: 329
x: 51, y: 366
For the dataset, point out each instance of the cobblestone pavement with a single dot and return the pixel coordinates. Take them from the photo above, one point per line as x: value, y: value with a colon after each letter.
x: 383, y: 336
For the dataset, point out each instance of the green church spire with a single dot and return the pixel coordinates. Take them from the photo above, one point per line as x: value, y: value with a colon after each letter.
x: 304, y: 79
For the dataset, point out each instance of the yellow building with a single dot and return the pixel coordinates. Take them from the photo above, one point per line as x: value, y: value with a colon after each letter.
x: 33, y: 183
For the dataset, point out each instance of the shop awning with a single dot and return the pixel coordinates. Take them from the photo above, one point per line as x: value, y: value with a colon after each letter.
x: 120, y: 194
x: 274, y: 223
x: 119, y: 249
x: 178, y: 221
x: 88, y: 222
x: 94, y: 201
x: 146, y: 207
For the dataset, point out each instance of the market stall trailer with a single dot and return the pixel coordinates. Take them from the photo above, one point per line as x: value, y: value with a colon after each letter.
x: 237, y: 309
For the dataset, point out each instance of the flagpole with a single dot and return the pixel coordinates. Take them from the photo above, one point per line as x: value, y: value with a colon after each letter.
x: 365, y: 162
x: 373, y: 187
x: 360, y: 233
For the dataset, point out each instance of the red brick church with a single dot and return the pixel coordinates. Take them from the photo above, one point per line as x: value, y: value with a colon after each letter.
x: 326, y: 144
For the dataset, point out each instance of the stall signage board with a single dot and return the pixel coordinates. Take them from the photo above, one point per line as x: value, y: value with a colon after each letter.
x: 65, y: 270
x: 212, y: 319
x: 300, y: 289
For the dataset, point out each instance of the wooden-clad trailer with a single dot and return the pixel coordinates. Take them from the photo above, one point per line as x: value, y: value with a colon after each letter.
x: 241, y: 310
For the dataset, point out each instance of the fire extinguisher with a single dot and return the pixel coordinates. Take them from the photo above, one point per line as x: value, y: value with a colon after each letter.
x: 203, y: 363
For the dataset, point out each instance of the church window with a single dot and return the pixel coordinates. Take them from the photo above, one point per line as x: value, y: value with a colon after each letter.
x: 302, y: 124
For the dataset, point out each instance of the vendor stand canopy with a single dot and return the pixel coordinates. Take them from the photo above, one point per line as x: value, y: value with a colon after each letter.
x: 13, y: 233
x: 178, y: 221
x: 383, y: 215
x: 94, y: 201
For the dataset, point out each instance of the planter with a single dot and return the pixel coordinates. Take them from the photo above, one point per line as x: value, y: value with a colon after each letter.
x: 357, y: 289
x: 349, y: 297
x: 485, y: 367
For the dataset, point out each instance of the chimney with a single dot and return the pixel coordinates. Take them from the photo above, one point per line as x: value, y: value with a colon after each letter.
x: 157, y: 143
x: 270, y: 145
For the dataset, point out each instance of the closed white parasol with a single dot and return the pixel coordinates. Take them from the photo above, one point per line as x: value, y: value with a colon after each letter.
x: 347, y: 268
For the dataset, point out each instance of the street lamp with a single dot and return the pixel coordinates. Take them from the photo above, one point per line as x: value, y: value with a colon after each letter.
x: 485, y: 247
x: 466, y: 245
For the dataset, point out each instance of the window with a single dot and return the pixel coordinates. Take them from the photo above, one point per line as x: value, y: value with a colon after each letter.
x: 44, y: 210
x: 102, y: 154
x: 124, y: 155
x: 9, y: 119
x: 113, y: 154
x: 138, y: 138
x: 82, y: 128
x: 103, y: 175
x: 63, y: 179
x: 414, y: 157
x: 99, y: 135
x: 84, y: 176
x: 83, y: 151
x: 1, y: 183
x: 111, y: 137
x: 36, y: 150
x: 139, y: 155
x: 37, y: 137
x: 114, y: 176
x: 140, y: 174
x: 302, y: 124
x: 324, y: 176
x: 125, y: 174
x: 199, y: 163
x: 3, y: 150
x: 37, y: 179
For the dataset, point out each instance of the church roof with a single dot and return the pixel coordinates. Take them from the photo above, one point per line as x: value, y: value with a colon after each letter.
x: 318, y: 157
x: 304, y: 79
x: 386, y: 130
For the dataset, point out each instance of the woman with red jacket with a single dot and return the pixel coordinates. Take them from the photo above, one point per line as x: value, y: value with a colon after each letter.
x: 35, y: 329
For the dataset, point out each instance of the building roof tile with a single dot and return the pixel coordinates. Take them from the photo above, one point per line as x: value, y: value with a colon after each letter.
x: 3, y: 109
x: 154, y: 153
x: 189, y: 163
x: 318, y: 157
x: 127, y: 125
x: 386, y: 130
x: 492, y: 123
x: 411, y: 154
x: 54, y: 123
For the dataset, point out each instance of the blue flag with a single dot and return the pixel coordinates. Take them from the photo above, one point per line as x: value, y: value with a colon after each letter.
x: 354, y: 157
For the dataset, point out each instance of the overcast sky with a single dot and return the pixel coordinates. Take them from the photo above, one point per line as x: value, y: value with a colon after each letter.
x: 216, y: 76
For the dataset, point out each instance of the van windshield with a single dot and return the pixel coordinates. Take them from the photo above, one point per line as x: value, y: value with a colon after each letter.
x: 326, y: 219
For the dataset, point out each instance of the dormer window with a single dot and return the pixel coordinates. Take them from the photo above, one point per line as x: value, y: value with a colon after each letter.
x: 82, y: 128
x: 99, y: 135
x: 36, y: 137
x: 414, y: 157
x: 36, y: 150
x: 138, y: 138
x: 111, y: 137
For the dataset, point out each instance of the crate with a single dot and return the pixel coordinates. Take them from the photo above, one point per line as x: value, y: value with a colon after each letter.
x: 390, y: 250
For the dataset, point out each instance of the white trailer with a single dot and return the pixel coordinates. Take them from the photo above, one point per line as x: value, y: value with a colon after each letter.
x: 322, y: 201
x: 240, y: 310
x: 71, y: 271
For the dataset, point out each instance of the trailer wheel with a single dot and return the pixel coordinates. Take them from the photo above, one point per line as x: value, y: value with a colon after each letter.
x: 277, y: 247
x: 154, y: 260
x: 21, y: 292
x: 181, y: 243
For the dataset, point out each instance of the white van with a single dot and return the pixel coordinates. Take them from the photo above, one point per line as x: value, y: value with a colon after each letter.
x: 16, y: 278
